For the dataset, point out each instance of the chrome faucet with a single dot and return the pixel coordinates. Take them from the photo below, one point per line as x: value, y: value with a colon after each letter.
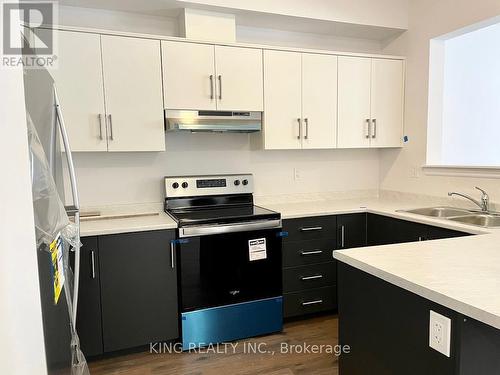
x: 484, y: 203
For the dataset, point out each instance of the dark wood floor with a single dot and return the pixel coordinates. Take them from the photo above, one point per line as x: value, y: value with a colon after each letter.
x: 316, y: 331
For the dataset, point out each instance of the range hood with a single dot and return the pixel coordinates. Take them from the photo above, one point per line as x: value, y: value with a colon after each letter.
x: 213, y: 121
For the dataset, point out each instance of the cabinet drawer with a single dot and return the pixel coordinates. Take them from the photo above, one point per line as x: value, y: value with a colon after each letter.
x: 310, y: 228
x: 300, y: 253
x: 309, y: 277
x: 310, y: 301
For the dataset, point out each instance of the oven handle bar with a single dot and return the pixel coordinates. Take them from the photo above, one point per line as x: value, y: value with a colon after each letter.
x: 207, y: 230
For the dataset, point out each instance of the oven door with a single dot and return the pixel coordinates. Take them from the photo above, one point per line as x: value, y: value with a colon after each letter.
x: 229, y: 268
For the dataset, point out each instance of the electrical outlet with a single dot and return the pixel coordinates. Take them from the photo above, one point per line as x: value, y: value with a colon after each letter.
x: 440, y: 333
x: 414, y: 172
x: 297, y: 175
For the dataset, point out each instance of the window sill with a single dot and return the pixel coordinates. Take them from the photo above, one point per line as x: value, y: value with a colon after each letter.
x: 462, y: 171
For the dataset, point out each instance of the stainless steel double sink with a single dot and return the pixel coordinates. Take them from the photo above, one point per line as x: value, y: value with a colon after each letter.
x: 471, y: 217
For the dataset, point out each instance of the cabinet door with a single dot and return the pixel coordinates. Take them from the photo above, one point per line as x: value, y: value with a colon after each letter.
x: 188, y: 75
x: 133, y: 92
x: 80, y: 88
x: 240, y: 81
x: 387, y: 92
x: 88, y: 320
x: 138, y: 289
x: 282, y: 100
x: 319, y: 101
x: 383, y: 230
x: 353, y: 102
x: 436, y: 233
x: 351, y: 230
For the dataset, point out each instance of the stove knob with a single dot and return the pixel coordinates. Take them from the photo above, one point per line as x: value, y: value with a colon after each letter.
x: 175, y: 185
x: 245, y: 182
x: 236, y: 182
x: 185, y: 185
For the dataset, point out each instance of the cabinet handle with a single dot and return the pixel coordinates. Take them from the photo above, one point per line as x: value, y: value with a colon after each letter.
x: 342, y: 236
x: 100, y: 126
x: 306, y: 120
x: 299, y: 121
x: 211, y: 86
x: 220, y: 87
x: 374, y: 121
x: 110, y: 128
x: 172, y: 251
x: 310, y: 229
x: 367, y: 135
x: 316, y: 302
x: 315, y: 277
x: 314, y: 252
x: 92, y: 263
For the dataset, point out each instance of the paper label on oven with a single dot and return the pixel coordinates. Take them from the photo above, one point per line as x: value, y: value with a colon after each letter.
x: 257, y: 249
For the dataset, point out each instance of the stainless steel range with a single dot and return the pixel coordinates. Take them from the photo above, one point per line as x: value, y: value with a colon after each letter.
x: 228, y: 254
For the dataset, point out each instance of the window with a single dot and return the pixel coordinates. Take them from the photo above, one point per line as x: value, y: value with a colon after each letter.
x: 464, y: 98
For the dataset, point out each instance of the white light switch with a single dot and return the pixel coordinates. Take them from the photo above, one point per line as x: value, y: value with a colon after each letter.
x: 440, y: 333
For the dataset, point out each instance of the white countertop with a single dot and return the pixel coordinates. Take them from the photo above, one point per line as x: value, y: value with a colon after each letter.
x: 461, y: 273
x: 154, y: 219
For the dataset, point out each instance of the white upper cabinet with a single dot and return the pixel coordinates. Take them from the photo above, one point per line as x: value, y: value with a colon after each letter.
x: 114, y: 89
x: 239, y: 78
x: 208, y: 77
x: 188, y: 75
x: 370, y: 102
x: 300, y: 100
x: 282, y: 100
x: 80, y: 89
x: 387, y: 92
x: 319, y: 100
x: 133, y: 93
x: 354, y: 102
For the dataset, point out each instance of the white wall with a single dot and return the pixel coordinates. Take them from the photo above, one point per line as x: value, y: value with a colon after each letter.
x: 168, y: 26
x: 107, y: 178
x: 117, y: 21
x: 257, y: 35
x: 388, y: 13
x: 429, y: 19
x: 137, y: 177
x: 21, y: 335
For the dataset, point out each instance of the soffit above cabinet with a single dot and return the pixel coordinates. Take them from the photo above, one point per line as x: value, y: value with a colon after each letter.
x: 340, y: 18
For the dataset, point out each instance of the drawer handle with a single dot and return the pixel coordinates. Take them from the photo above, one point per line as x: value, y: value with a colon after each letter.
x: 310, y: 229
x: 315, y: 277
x: 314, y: 252
x: 315, y: 302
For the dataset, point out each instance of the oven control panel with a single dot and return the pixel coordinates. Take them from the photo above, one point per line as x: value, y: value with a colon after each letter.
x: 192, y: 186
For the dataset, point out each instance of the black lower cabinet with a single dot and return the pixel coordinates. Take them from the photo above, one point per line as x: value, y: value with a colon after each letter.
x: 138, y: 289
x: 88, y: 320
x: 351, y: 231
x: 479, y: 348
x: 309, y: 273
x: 384, y: 230
x: 310, y: 301
x: 387, y: 328
x: 436, y: 233
x: 128, y: 291
x: 387, y: 331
